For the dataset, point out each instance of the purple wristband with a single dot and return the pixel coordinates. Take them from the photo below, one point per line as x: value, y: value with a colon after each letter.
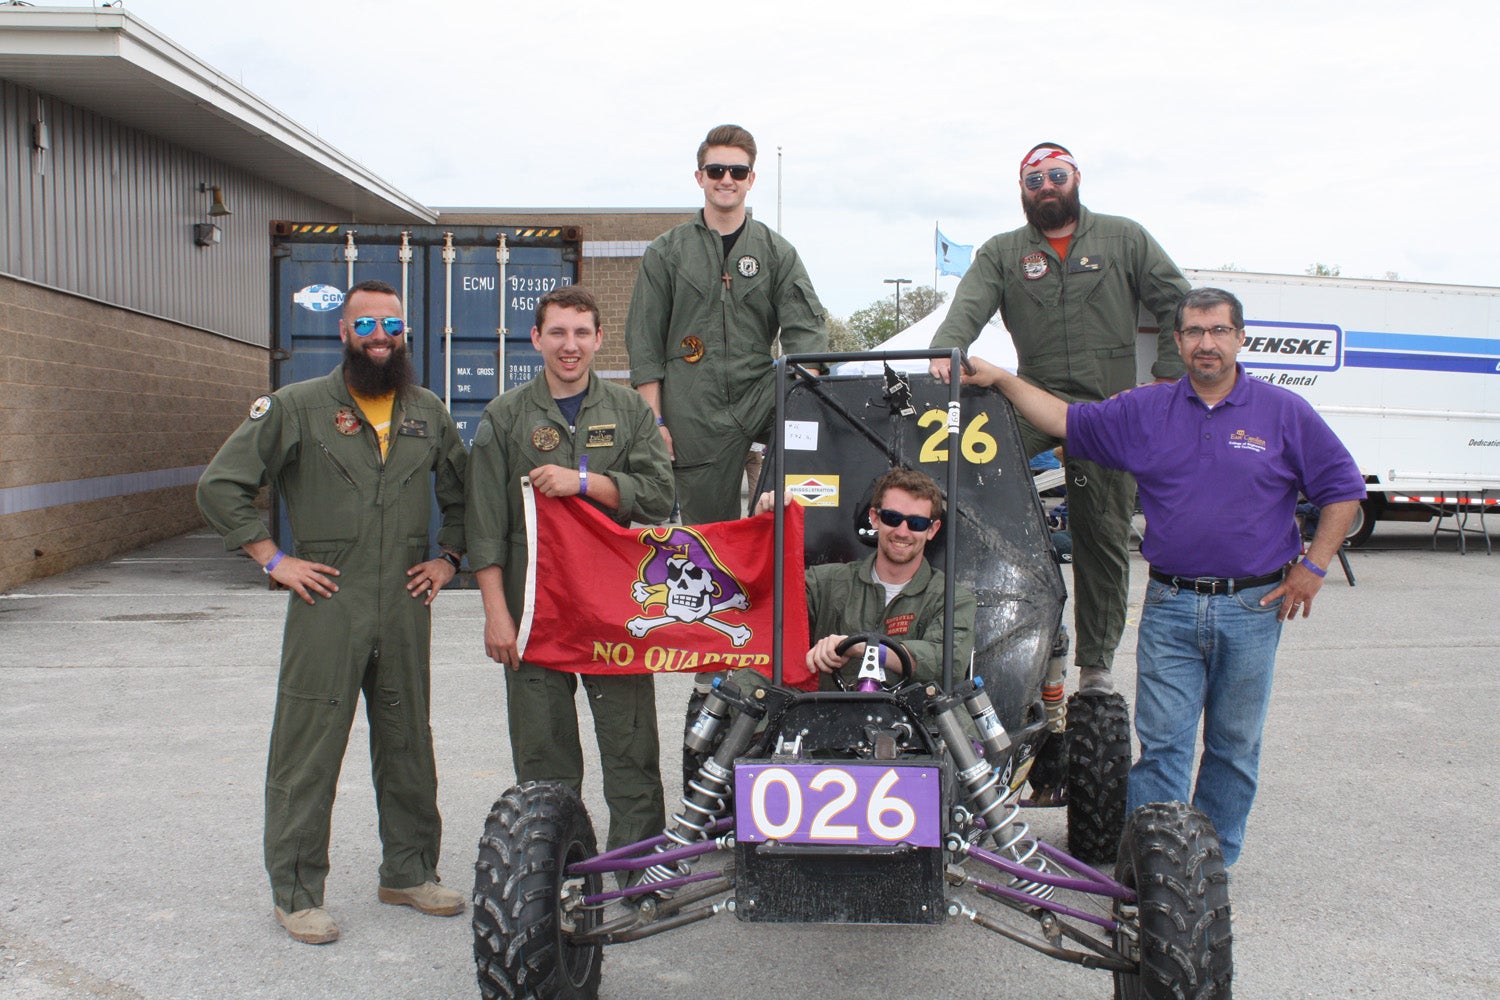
x: 583, y: 476
x: 273, y: 562
x: 1313, y: 568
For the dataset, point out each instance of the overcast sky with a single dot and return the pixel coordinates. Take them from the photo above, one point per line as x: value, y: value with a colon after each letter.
x: 1269, y: 135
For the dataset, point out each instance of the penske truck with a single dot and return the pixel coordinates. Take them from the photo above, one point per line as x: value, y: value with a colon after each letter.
x: 1407, y: 374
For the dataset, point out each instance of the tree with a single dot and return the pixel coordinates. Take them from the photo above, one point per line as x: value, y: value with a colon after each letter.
x: 1321, y: 270
x: 876, y: 322
x: 841, y: 338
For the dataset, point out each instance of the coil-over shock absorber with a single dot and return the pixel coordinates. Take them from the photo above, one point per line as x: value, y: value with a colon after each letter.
x: 707, y: 795
x: 982, y: 781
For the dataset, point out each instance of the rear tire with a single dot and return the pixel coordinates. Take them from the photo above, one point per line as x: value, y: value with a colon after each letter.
x: 1098, y: 746
x: 1170, y: 856
x: 522, y: 938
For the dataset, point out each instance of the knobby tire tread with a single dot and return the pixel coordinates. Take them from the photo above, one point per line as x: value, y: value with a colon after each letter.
x: 519, y: 947
x: 1098, y: 747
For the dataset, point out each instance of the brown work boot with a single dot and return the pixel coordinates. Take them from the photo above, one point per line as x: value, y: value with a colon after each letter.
x: 429, y: 898
x: 310, y: 926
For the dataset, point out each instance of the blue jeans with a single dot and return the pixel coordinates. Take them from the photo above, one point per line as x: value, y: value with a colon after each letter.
x: 1209, y: 656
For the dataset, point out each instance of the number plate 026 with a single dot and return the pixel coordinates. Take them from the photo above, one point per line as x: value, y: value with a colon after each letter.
x: 876, y: 805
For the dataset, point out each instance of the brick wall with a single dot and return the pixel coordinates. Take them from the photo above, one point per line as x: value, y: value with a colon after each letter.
x: 610, y: 277
x: 97, y: 400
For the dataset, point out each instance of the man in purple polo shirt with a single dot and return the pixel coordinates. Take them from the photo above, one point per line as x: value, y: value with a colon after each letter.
x: 1219, y: 458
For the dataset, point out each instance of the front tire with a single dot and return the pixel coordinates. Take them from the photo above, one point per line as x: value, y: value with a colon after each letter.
x: 1170, y: 856
x: 522, y: 935
x: 1098, y: 747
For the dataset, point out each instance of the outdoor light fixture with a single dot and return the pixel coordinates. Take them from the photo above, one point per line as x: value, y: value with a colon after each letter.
x: 218, y: 208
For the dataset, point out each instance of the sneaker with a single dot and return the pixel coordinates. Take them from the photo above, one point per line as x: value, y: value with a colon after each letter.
x: 1096, y: 680
x: 429, y: 898
x: 310, y: 926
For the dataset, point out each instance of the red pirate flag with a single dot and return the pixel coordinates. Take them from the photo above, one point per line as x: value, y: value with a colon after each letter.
x: 602, y: 599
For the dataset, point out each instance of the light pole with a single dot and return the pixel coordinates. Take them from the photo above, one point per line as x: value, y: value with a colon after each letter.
x: 778, y: 189
x: 898, y: 282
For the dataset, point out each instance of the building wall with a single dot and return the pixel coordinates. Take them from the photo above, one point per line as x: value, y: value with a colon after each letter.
x: 127, y: 352
x: 613, y: 243
x: 108, y: 418
x: 108, y: 212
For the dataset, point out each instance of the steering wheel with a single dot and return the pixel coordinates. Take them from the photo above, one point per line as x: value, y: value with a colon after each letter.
x: 873, y: 641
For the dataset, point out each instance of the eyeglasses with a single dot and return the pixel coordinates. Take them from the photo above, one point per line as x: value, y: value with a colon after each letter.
x: 893, y: 519
x: 394, y: 326
x: 715, y: 171
x: 1217, y: 332
x: 1057, y: 175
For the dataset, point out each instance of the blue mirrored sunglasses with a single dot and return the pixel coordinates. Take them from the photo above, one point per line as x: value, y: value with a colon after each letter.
x: 394, y: 326
x: 893, y: 519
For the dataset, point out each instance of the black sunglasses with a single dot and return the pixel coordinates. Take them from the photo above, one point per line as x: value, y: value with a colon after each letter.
x: 394, y: 326
x: 715, y: 171
x: 1057, y: 175
x: 893, y: 519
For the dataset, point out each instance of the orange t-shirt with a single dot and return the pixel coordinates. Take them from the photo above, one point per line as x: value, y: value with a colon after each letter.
x: 1060, y: 244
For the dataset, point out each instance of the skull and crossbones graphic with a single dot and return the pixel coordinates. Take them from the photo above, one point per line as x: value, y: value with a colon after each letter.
x: 687, y: 593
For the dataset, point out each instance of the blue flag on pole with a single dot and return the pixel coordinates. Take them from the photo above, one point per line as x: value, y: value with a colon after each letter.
x: 952, y: 258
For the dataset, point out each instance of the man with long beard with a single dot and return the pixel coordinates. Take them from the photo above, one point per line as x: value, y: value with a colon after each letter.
x: 355, y: 455
x: 1069, y: 286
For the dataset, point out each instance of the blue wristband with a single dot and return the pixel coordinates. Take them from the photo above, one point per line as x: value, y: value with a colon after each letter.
x: 661, y: 421
x: 583, y: 476
x: 273, y: 562
x: 1313, y: 568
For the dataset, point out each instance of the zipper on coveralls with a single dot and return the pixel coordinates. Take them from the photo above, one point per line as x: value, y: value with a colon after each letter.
x: 338, y: 465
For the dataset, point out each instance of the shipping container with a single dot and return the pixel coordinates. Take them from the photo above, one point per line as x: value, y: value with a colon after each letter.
x: 470, y: 293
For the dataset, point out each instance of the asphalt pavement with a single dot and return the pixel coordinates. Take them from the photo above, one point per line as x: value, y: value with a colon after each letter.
x: 136, y: 698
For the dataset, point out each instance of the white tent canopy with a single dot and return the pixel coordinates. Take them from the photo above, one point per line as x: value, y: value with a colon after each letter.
x: 994, y: 345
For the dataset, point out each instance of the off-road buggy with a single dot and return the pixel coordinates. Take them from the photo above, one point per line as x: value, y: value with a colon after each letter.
x: 887, y: 804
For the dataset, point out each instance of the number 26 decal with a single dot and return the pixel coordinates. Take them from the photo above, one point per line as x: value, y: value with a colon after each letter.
x: 975, y: 444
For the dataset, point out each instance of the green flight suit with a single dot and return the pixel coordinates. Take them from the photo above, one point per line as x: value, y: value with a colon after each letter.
x: 1074, y: 324
x: 369, y: 519
x: 705, y: 325
x: 843, y: 598
x: 519, y: 431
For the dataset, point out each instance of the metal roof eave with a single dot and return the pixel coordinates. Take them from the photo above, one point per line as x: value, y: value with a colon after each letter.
x: 110, y: 62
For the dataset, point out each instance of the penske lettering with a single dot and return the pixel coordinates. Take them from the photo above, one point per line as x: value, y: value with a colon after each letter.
x: 1288, y: 345
x: 1292, y: 346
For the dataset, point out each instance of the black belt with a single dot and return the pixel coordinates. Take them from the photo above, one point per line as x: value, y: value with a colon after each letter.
x: 1217, y: 584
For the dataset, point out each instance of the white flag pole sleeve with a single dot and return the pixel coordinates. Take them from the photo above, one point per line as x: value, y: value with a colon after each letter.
x: 528, y: 609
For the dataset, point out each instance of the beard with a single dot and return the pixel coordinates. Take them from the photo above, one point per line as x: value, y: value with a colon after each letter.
x: 373, y: 378
x: 1051, y: 214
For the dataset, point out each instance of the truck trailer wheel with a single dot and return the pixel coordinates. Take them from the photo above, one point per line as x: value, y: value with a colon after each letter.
x: 1179, y: 924
x: 1098, y: 768
x: 1364, y: 522
x: 522, y: 936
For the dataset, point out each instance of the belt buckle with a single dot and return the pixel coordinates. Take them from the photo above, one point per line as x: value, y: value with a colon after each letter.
x: 1206, y: 585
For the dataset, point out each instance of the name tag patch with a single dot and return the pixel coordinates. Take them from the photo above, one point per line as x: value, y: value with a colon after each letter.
x: 413, y: 428
x: 899, y: 624
x: 600, y: 436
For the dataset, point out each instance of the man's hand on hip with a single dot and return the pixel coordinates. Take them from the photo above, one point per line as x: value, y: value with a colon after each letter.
x: 429, y: 577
